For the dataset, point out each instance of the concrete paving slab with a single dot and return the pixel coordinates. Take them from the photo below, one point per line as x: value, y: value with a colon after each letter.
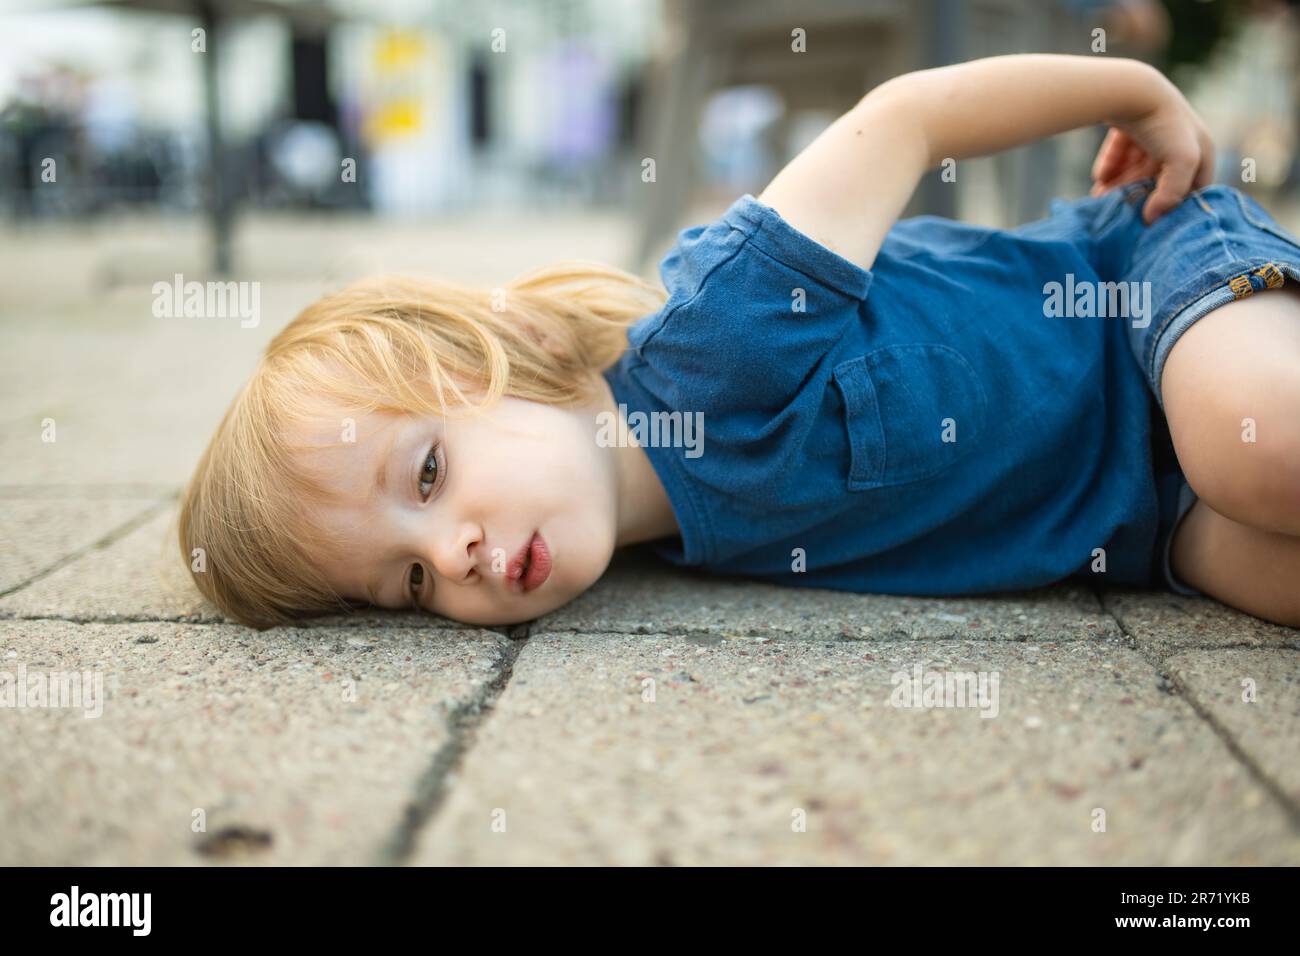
x: 38, y: 534
x: 131, y: 397
x: 1164, y: 623
x: 72, y: 267
x: 608, y: 749
x: 1254, y: 697
x: 299, y: 746
x: 152, y: 434
x: 640, y: 594
x: 140, y: 578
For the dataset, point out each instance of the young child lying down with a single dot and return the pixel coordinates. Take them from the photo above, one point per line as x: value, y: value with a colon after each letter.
x: 826, y: 397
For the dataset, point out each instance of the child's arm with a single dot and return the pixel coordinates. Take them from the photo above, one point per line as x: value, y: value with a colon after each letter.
x: 849, y: 185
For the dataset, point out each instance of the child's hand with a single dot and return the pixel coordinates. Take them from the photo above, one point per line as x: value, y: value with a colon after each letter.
x: 1169, y: 142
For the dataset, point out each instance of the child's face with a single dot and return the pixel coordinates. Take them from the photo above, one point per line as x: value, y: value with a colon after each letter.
x: 443, y: 532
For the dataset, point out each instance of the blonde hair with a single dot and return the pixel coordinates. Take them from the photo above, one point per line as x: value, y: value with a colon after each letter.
x: 388, y: 344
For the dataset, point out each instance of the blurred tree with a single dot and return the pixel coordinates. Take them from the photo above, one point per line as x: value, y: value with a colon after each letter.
x: 1198, y: 28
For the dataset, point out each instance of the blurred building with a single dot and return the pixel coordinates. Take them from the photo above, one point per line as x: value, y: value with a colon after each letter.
x: 416, y: 107
x: 437, y: 104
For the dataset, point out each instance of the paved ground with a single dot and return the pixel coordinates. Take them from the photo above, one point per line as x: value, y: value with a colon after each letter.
x: 661, y: 718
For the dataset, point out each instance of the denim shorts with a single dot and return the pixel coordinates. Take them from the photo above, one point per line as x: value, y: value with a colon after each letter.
x: 1218, y: 245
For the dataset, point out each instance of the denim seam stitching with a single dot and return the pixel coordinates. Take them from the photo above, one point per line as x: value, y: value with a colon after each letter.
x: 775, y: 231
x: 695, y: 294
x: 1287, y: 268
x: 1149, y: 360
x: 980, y: 394
x: 1193, y: 297
x: 849, y: 368
x: 1275, y: 231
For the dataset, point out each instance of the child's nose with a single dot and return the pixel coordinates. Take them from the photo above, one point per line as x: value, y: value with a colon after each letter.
x: 456, y: 554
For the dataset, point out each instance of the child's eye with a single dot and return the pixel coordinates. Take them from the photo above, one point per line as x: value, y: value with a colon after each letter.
x: 429, y: 473
x: 417, y: 579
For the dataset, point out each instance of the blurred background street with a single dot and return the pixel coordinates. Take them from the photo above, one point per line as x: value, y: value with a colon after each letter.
x: 300, y: 144
x: 217, y: 130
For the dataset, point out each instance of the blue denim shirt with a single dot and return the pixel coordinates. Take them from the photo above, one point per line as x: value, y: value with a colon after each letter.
x: 919, y: 428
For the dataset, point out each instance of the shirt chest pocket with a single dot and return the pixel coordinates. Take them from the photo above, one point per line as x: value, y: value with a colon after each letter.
x: 912, y: 411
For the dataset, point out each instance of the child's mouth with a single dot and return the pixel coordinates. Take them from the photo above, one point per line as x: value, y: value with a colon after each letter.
x: 530, y: 567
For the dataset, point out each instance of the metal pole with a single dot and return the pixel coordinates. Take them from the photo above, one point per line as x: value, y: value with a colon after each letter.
x: 219, y: 209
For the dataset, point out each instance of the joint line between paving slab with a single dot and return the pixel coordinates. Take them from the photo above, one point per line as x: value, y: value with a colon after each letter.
x: 1278, y: 793
x: 431, y: 790
x: 896, y: 636
x: 105, y: 541
x: 1274, y: 789
x: 304, y: 624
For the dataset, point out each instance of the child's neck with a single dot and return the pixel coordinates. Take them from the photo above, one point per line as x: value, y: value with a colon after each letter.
x: 644, y: 511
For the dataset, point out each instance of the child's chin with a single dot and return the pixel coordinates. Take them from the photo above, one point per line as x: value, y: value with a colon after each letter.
x: 509, y: 617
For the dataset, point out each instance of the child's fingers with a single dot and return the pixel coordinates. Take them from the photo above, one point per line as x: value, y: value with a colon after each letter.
x: 1145, y: 167
x: 1172, y: 186
x: 1124, y: 161
x: 1110, y: 156
x: 1095, y: 172
x: 1116, y: 152
x: 1205, y: 171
